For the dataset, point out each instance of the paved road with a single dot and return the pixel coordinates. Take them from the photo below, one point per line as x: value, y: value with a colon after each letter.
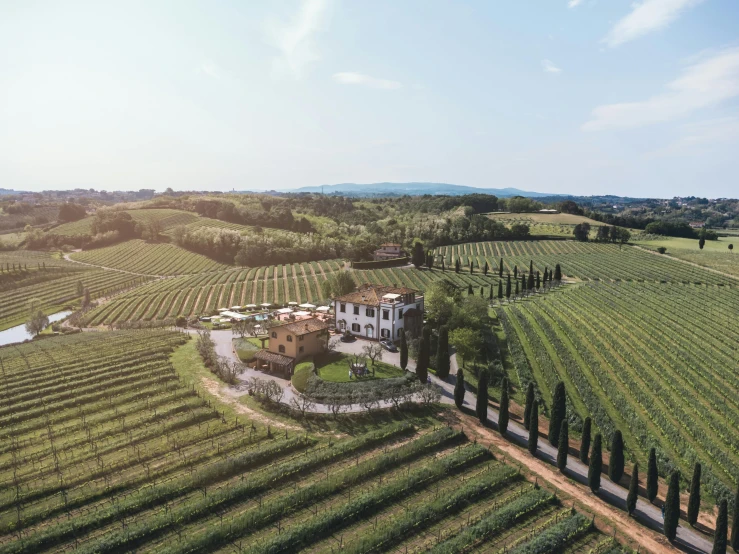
x: 646, y: 513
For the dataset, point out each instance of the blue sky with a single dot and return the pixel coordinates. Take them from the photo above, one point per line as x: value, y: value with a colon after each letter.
x: 561, y: 96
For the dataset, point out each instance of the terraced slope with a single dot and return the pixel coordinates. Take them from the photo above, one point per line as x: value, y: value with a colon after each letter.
x: 138, y: 256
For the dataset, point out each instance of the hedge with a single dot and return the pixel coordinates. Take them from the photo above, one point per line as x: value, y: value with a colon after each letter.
x: 392, y: 262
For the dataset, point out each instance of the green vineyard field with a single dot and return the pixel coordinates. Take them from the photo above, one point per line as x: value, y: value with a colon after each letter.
x: 167, y: 219
x: 105, y: 449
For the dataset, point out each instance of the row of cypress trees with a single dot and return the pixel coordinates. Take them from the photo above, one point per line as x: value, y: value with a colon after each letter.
x: 559, y: 437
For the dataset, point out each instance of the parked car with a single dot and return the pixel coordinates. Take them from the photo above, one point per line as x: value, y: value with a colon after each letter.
x: 388, y: 345
x: 347, y: 337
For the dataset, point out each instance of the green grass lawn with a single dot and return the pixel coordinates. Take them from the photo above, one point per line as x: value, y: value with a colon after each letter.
x: 334, y: 366
x: 720, y: 245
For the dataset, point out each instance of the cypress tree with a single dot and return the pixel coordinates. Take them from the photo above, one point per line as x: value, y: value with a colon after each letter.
x: 470, y: 292
x: 616, y: 465
x: 523, y: 283
x: 534, y: 428
x: 719, y: 538
x: 500, y: 268
x: 516, y: 289
x: 418, y: 256
x: 633, y: 490
x: 500, y: 290
x: 459, y: 389
x: 538, y: 280
x: 531, y: 281
x: 470, y: 267
x: 482, y: 292
x: 443, y: 268
x: 652, y: 476
x: 482, y: 397
x: 585, y: 443
x: 485, y: 269
x: 559, y: 412
x: 504, y: 401
x: 564, y: 442
x: 422, y: 364
x: 403, y: 351
x: 596, y: 464
x: 557, y: 273
x: 546, y: 275
x: 672, y: 506
x: 735, y: 523
x: 527, y: 407
x: 442, y: 353
x: 456, y: 266
x: 515, y: 272
x: 508, y: 287
x: 490, y: 295
x: 531, y: 267
x: 694, y: 502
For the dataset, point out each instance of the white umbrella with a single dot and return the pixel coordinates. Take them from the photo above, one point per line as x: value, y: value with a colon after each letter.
x: 285, y: 311
x: 235, y: 308
x: 300, y: 314
x: 222, y: 309
x: 307, y: 306
x: 265, y: 305
x: 250, y: 306
x: 323, y: 309
x: 292, y: 303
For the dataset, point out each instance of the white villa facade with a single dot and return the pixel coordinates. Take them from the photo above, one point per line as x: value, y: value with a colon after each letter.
x: 379, y: 312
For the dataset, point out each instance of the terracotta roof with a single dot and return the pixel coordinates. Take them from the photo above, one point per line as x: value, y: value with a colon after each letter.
x: 370, y: 295
x: 305, y: 326
x: 273, y: 357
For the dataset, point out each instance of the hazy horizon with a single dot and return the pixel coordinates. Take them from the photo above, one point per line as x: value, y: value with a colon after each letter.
x: 578, y: 97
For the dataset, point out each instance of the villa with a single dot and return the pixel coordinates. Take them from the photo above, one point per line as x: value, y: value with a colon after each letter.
x: 379, y: 312
x: 388, y: 251
x: 292, y: 342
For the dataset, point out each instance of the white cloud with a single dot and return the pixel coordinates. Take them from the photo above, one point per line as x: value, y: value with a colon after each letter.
x: 574, y: 3
x: 211, y: 69
x: 549, y: 66
x: 351, y: 78
x: 645, y: 17
x: 295, y: 38
x: 706, y: 83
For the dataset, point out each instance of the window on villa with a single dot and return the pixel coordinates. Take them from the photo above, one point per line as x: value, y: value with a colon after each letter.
x: 370, y: 312
x: 385, y: 314
x: 289, y: 338
x: 385, y: 333
x: 274, y: 335
x: 300, y: 350
x: 355, y: 327
x: 282, y: 349
x: 400, y: 314
x: 300, y: 338
x: 342, y: 307
x: 356, y: 310
x: 400, y: 331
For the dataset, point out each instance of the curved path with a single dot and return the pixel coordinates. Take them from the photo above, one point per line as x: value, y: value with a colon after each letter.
x: 66, y: 257
x: 647, y: 514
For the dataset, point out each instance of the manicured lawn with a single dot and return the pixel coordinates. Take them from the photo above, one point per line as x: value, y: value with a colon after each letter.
x: 335, y: 367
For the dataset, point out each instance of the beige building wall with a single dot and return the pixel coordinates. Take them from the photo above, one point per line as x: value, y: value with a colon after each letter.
x: 311, y: 343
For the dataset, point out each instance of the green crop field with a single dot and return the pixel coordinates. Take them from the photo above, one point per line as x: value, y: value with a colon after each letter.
x: 656, y: 360
x: 166, y: 217
x: 106, y: 449
x: 715, y: 254
x: 138, y: 256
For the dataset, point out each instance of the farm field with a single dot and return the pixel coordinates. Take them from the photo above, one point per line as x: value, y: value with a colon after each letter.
x: 145, y: 463
x: 546, y: 224
x: 715, y: 254
x: 139, y: 256
x: 278, y: 285
x: 167, y: 218
x: 655, y: 360
x: 579, y: 260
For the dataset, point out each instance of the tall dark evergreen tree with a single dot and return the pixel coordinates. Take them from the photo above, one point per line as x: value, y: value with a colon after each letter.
x: 585, y: 442
x: 482, y: 292
x: 530, y: 397
x: 564, y: 443
x: 403, y: 351
x: 500, y: 268
x: 694, y: 502
x: 633, y: 495
x: 558, y: 413
x: 515, y: 272
x: 508, y: 288
x: 471, y: 266
x: 596, y: 463
x: 456, y: 266
x: 652, y: 476
x: 443, y: 268
x: 482, y: 397
x: 430, y: 259
x: 418, y: 256
x: 442, y: 353
x: 504, y: 405
x: 516, y: 294
x: 616, y: 463
x: 459, y: 389
x: 531, y: 267
x: 422, y: 364
x: 719, y: 537
x: 531, y: 282
x: 490, y: 294
x: 534, y: 428
x: 500, y: 290
x: 546, y: 275
x: 672, y: 506
x: 523, y: 283
x: 735, y: 523
x: 538, y: 280
x: 470, y: 292
x: 557, y: 273
x: 485, y: 269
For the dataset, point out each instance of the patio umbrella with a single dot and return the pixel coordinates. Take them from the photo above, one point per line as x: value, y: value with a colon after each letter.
x: 308, y: 306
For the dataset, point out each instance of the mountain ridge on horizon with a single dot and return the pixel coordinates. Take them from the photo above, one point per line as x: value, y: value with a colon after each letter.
x: 419, y: 188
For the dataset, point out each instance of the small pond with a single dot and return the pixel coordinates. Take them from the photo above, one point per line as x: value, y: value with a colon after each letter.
x: 19, y: 333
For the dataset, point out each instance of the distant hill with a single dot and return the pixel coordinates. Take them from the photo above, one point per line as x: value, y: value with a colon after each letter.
x: 8, y: 191
x: 415, y: 189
